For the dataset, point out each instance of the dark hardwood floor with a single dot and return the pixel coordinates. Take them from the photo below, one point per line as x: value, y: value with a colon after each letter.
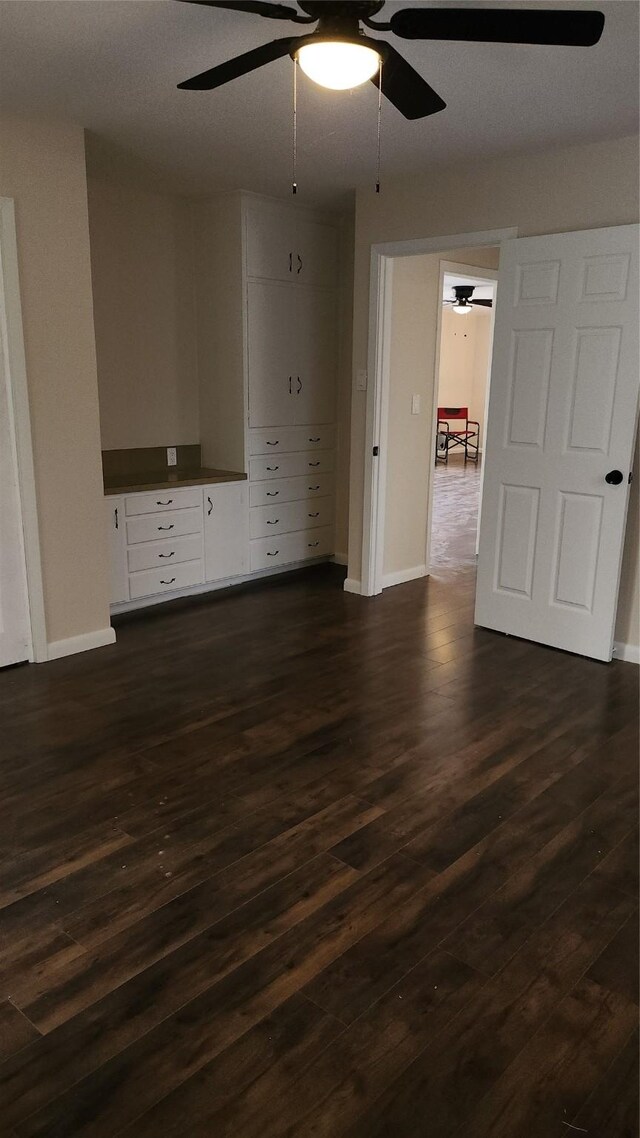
x: 290, y: 862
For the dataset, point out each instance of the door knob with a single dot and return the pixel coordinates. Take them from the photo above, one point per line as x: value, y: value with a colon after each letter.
x: 614, y: 477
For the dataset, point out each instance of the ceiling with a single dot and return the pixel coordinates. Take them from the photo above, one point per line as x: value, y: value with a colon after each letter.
x: 113, y: 66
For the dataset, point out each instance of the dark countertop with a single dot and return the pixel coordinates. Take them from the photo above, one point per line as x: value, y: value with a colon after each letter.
x: 161, y: 479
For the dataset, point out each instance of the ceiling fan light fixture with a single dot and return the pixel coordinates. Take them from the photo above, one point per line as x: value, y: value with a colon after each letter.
x: 462, y: 309
x: 338, y: 64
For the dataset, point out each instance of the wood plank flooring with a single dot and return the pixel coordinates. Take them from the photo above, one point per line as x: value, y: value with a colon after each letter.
x: 290, y: 862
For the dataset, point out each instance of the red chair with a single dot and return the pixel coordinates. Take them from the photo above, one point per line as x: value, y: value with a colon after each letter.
x: 450, y: 435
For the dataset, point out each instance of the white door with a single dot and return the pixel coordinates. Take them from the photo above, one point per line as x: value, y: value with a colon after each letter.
x: 272, y: 353
x: 315, y: 386
x: 226, y: 530
x: 316, y: 253
x: 561, y: 427
x: 270, y: 243
x: 15, y: 634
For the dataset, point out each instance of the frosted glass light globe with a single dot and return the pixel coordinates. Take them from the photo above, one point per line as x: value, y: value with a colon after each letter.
x: 336, y: 65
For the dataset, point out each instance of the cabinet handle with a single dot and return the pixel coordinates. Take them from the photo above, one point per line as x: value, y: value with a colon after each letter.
x: 166, y: 527
x: 167, y: 503
x: 299, y: 384
x: 313, y: 487
x: 272, y: 493
x: 274, y: 523
x: 209, y: 511
x: 289, y: 385
x: 290, y: 262
x: 172, y: 554
x: 277, y: 443
x: 168, y: 582
x: 299, y: 263
x: 313, y: 463
x: 274, y: 554
x: 115, y: 514
x: 273, y: 468
x: 315, y: 440
x: 312, y: 544
x: 316, y: 515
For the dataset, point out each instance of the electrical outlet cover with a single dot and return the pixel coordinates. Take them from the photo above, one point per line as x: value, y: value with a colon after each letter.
x: 172, y: 456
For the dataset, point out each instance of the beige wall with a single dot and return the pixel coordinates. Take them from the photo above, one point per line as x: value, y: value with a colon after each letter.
x: 465, y: 342
x: 145, y: 317
x: 580, y: 187
x: 412, y: 362
x: 345, y: 352
x: 42, y: 167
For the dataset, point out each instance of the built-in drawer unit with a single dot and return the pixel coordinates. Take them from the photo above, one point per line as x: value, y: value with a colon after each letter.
x: 289, y: 465
x: 160, y: 500
x: 290, y: 489
x: 165, y: 580
x: 152, y: 554
x: 287, y: 516
x: 268, y: 553
x: 278, y: 440
x: 173, y: 523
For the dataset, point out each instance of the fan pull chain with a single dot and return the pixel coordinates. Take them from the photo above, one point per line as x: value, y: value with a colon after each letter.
x: 294, y: 184
x: 379, y: 121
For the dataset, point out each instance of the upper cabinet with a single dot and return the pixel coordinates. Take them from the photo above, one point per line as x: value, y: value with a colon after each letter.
x: 282, y: 246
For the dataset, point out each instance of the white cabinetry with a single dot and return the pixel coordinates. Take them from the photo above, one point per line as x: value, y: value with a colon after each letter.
x: 114, y: 508
x: 283, y: 244
x: 226, y: 544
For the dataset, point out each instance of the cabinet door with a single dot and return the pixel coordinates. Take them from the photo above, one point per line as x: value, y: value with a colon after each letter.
x: 270, y: 238
x: 315, y: 385
x: 226, y: 530
x: 119, y: 582
x: 316, y: 254
x: 271, y: 353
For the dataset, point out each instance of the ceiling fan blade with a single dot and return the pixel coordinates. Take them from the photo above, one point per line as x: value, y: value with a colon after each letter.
x: 241, y: 65
x: 257, y: 8
x: 483, y: 303
x: 403, y: 86
x: 500, y: 25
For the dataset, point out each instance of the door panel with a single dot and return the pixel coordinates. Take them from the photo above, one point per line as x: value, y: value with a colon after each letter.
x: 270, y: 240
x: 562, y: 414
x: 315, y: 393
x: 15, y: 633
x: 315, y: 258
x: 271, y: 353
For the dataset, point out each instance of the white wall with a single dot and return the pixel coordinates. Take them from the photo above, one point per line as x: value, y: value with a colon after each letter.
x: 579, y: 187
x: 145, y: 315
x: 465, y: 343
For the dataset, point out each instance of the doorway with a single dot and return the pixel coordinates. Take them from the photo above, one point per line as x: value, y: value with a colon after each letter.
x: 466, y: 300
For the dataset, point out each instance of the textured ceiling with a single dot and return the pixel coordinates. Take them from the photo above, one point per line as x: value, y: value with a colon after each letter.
x: 113, y: 66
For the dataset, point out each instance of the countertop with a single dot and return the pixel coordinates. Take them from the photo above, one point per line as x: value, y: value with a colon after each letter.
x: 161, y: 479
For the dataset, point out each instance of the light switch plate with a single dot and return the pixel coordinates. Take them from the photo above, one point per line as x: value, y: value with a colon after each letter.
x: 361, y: 380
x: 415, y: 405
x: 172, y: 456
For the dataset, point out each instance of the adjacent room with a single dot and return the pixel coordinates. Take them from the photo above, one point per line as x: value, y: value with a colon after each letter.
x: 319, y: 569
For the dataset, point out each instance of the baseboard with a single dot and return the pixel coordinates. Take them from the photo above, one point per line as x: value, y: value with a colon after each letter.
x: 351, y: 585
x: 403, y: 575
x: 340, y: 559
x: 630, y: 653
x: 98, y: 639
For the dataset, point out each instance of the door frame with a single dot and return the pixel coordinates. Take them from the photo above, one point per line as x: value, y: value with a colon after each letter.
x: 378, y: 367
x: 20, y: 426
x: 492, y: 276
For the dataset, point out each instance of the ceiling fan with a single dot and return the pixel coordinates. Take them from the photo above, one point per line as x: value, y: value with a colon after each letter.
x: 339, y: 55
x: 462, y: 304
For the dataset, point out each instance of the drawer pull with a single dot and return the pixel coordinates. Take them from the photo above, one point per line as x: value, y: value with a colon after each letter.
x: 274, y: 523
x: 210, y: 506
x: 315, y: 440
x: 274, y: 554
x: 172, y: 554
x: 167, y: 503
x: 316, y: 515
x: 272, y: 493
x: 313, y: 487
x: 167, y: 527
x: 312, y: 544
x: 313, y: 464
x: 277, y: 443
x: 168, y: 582
x: 273, y: 468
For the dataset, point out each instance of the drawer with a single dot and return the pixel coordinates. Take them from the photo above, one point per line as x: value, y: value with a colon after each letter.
x: 268, y: 553
x: 152, y: 554
x: 279, y: 440
x: 289, y: 465
x: 290, y: 489
x: 173, y: 523
x: 265, y: 521
x: 159, y: 500
x: 151, y: 581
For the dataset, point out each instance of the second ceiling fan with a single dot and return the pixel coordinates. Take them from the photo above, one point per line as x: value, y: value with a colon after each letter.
x: 340, y: 55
